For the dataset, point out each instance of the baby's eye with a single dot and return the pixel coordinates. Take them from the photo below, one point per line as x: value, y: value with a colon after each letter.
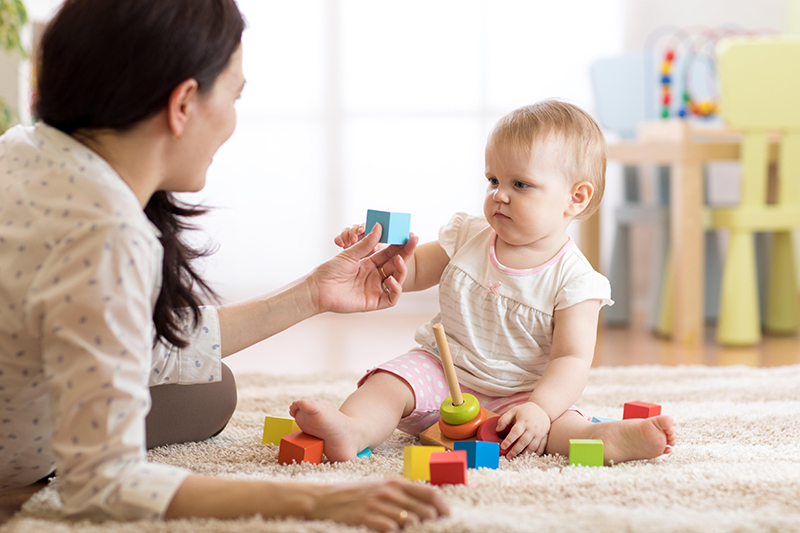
x: 493, y: 181
x: 521, y: 185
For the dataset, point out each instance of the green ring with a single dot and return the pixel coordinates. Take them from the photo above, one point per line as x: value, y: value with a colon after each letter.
x: 460, y: 414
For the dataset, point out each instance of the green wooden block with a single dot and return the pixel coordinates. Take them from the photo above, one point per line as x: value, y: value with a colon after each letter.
x: 586, y: 452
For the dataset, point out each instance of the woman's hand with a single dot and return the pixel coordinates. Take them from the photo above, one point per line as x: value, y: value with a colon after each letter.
x: 382, y: 505
x: 529, y: 432
x: 361, y: 278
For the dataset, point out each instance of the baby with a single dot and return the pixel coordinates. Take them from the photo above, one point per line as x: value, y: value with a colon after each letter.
x: 518, y: 301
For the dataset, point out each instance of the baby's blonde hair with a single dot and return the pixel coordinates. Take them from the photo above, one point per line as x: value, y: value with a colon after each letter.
x: 582, y: 143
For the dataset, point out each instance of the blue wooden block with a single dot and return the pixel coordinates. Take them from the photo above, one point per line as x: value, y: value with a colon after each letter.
x: 396, y: 226
x: 480, y: 454
x: 596, y: 419
x: 366, y: 453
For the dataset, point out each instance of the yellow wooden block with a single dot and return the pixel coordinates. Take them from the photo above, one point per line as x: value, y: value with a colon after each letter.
x: 275, y: 428
x: 417, y: 461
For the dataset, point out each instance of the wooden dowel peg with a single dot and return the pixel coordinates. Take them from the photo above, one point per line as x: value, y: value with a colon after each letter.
x: 447, y: 363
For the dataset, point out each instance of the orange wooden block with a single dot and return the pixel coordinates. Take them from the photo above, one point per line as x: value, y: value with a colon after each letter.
x: 640, y: 410
x: 299, y: 447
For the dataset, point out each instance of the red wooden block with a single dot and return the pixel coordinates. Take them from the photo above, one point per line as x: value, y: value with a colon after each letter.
x: 299, y: 447
x: 640, y: 410
x: 488, y: 432
x: 449, y: 468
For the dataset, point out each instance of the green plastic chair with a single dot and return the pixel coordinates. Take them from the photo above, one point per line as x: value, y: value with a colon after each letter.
x: 760, y: 95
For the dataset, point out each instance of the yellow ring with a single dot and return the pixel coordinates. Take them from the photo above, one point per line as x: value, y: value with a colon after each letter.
x: 383, y: 273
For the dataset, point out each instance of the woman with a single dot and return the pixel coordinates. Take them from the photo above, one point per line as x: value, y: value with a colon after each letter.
x: 98, y: 297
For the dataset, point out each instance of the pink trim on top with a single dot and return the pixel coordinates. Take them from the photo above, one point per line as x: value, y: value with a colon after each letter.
x: 528, y: 271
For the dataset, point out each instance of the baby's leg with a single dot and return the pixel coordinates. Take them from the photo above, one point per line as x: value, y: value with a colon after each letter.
x: 366, y: 418
x: 623, y: 440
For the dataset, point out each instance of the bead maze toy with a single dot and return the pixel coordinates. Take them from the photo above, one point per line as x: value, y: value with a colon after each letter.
x: 396, y: 226
x: 461, y: 415
x: 688, y: 70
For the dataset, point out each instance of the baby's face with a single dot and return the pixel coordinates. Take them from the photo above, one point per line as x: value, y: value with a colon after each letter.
x: 527, y: 194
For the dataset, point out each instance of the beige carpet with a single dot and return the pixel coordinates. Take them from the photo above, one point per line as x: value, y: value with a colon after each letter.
x: 736, y: 467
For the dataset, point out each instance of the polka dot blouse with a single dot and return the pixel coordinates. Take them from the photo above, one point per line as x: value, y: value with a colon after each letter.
x: 80, y: 271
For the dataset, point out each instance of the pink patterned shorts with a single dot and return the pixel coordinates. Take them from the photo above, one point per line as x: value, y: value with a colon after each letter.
x: 424, y: 373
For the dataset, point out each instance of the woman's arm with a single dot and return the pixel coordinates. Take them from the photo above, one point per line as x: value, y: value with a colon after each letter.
x: 351, y: 282
x: 381, y: 505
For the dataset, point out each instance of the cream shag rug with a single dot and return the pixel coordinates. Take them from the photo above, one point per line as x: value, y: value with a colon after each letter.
x: 736, y: 467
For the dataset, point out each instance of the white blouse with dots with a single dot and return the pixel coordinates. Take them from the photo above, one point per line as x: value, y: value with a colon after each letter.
x: 80, y: 271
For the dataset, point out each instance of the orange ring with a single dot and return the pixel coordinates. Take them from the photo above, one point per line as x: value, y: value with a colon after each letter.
x: 464, y: 431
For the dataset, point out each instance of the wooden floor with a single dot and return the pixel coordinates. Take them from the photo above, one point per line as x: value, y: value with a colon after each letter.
x: 354, y: 343
x: 636, y: 346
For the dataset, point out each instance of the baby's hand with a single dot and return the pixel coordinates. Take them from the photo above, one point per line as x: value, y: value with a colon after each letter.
x: 350, y: 236
x: 530, y: 426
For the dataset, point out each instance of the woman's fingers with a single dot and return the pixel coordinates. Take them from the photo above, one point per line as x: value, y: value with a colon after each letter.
x: 404, y: 251
x: 381, y: 506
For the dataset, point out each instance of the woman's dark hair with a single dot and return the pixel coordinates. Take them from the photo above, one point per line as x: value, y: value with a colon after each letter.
x: 109, y: 64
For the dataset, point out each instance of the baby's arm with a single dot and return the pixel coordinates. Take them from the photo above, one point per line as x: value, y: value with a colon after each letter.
x: 563, y: 381
x: 425, y: 267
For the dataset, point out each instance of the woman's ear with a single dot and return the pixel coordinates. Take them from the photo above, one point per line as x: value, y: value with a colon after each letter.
x: 179, y: 107
x: 580, y: 196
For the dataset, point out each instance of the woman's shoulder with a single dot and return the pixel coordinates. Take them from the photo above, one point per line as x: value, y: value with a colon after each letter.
x: 57, y: 192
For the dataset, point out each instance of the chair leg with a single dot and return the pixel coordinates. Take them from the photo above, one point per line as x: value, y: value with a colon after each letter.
x: 783, y: 315
x: 664, y: 325
x: 763, y: 257
x: 713, y: 269
x: 739, y: 323
x: 713, y: 274
x: 659, y: 302
x: 619, y: 314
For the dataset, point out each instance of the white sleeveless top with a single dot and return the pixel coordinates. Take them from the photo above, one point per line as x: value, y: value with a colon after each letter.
x: 499, y: 320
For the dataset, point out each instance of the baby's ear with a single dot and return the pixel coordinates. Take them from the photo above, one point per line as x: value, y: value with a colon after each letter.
x: 580, y: 196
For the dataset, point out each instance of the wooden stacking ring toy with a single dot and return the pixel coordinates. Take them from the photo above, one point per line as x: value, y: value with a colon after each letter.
x: 457, y: 410
x: 460, y: 414
x: 464, y: 431
x: 488, y: 432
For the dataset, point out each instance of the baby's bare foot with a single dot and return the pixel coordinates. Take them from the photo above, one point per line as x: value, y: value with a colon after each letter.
x: 629, y: 440
x: 328, y: 424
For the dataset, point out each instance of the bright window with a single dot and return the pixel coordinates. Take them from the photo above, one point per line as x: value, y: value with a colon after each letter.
x: 355, y: 104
